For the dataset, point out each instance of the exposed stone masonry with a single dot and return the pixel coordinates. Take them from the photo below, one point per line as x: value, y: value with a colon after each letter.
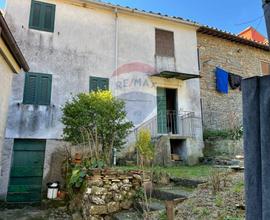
x: 108, y: 192
x: 224, y: 111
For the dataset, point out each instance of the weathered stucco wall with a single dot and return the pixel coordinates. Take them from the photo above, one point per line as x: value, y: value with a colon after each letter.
x: 81, y: 47
x: 88, y: 41
x: 224, y: 111
x: 6, y: 78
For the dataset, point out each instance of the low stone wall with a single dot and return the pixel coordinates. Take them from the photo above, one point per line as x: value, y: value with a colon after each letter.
x: 223, y: 147
x: 108, y: 192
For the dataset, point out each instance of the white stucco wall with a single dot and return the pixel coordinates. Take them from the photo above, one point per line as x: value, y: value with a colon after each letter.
x: 83, y: 45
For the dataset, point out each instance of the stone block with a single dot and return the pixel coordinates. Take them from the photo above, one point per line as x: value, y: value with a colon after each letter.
x: 113, y: 207
x: 98, y: 190
x: 126, y: 204
x: 98, y: 210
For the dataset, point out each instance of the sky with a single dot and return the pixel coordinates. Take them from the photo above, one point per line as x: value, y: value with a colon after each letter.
x: 230, y: 15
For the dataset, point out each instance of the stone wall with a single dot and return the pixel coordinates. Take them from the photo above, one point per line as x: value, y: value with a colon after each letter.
x: 220, y: 147
x: 107, y: 192
x: 224, y: 111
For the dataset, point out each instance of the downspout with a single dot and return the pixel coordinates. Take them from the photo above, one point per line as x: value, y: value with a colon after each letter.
x: 116, y: 67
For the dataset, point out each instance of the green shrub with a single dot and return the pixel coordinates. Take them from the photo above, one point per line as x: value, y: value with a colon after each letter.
x: 233, y: 134
x: 96, y: 121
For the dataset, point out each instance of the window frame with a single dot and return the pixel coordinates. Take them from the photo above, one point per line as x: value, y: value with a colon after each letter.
x: 98, y: 78
x: 261, y: 67
x: 31, y: 18
x: 37, y: 90
x: 173, y: 41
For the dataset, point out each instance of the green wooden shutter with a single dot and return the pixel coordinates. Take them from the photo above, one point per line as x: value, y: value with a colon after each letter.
x: 103, y: 84
x: 37, y: 89
x: 162, y: 110
x: 49, y: 14
x: 44, y: 91
x: 97, y: 83
x: 42, y: 16
x: 35, y: 15
x: 93, y: 84
x: 30, y: 88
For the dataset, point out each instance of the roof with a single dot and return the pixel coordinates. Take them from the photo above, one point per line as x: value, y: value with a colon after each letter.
x: 142, y: 12
x: 177, y: 75
x: 202, y: 28
x: 232, y: 37
x: 251, y: 33
x: 9, y: 40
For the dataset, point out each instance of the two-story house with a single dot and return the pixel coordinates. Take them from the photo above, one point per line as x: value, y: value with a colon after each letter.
x: 72, y: 46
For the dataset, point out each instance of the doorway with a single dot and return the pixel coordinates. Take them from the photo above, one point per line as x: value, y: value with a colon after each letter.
x: 25, y: 182
x: 167, y: 110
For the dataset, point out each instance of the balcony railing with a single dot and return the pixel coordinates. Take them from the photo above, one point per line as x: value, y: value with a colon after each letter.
x: 171, y: 122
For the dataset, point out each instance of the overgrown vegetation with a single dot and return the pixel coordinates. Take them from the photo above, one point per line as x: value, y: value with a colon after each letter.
x: 218, y: 179
x: 146, y: 153
x: 96, y: 122
x: 232, y: 134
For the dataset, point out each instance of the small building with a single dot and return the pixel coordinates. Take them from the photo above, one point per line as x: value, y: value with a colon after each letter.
x: 149, y: 60
x: 11, y: 61
x: 251, y: 33
x: 236, y: 55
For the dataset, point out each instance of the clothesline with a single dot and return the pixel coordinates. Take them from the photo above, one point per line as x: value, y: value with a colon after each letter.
x: 224, y: 79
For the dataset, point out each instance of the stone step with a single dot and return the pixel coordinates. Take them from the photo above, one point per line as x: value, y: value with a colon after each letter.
x: 168, y: 194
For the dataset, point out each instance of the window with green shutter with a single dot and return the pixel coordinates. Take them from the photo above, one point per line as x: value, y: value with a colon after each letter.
x: 98, y: 83
x: 37, y: 89
x: 42, y: 16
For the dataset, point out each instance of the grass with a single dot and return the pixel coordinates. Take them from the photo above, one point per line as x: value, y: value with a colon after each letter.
x: 199, y: 172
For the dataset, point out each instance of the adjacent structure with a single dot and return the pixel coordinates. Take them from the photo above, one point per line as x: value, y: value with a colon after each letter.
x: 234, y: 54
x: 149, y: 60
x: 11, y: 61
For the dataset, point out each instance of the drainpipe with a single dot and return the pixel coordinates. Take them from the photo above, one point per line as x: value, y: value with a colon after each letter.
x: 115, y: 67
x: 116, y: 47
x: 266, y: 8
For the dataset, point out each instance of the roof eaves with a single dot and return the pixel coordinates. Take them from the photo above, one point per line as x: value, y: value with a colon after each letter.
x: 12, y: 45
x: 232, y: 37
x: 143, y: 12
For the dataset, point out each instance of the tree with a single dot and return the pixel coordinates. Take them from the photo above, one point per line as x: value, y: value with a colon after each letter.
x: 96, y: 120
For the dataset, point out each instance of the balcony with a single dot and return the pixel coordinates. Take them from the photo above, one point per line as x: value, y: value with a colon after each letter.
x: 181, y: 124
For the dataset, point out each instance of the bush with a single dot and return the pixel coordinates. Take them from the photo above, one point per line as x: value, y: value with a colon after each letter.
x: 96, y: 121
x: 144, y: 146
x: 233, y: 134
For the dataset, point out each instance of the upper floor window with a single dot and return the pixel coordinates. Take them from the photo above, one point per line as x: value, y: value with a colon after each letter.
x: 265, y: 67
x: 37, y: 89
x: 98, y: 83
x: 42, y: 16
x: 164, y: 43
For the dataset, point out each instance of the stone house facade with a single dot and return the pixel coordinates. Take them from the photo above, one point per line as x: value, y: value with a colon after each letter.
x: 12, y: 62
x: 146, y: 59
x: 233, y: 54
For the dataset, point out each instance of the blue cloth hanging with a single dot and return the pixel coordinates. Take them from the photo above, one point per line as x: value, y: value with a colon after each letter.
x: 222, y: 81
